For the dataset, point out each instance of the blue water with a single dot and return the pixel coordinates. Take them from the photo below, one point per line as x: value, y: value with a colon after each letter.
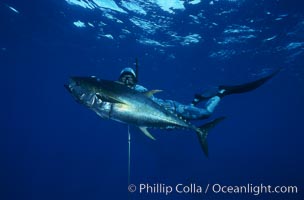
x: 53, y: 148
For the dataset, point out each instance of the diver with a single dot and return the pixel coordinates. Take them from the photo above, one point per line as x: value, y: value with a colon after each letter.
x: 212, y: 96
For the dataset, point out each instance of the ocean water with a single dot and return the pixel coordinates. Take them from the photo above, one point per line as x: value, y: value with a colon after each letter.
x: 53, y: 148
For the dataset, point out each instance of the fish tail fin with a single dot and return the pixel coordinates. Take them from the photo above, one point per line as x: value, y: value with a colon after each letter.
x: 202, y: 133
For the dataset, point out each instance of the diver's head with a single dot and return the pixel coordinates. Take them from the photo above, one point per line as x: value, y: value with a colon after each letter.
x: 128, y: 77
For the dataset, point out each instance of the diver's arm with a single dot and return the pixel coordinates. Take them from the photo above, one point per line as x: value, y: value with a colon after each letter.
x: 140, y: 88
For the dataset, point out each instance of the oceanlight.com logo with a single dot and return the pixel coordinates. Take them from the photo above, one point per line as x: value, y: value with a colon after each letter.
x: 254, y: 189
x: 193, y: 188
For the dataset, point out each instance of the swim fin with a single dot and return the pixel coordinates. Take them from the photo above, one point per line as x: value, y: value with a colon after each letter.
x: 237, y: 89
x: 224, y: 90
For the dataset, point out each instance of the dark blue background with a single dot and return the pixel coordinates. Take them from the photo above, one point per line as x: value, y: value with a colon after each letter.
x: 53, y: 148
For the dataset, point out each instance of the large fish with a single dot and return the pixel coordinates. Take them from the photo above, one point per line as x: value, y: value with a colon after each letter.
x: 113, y: 100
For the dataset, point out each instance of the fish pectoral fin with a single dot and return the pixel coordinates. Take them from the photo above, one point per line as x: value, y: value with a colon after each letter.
x: 107, y: 99
x: 151, y: 92
x: 146, y: 132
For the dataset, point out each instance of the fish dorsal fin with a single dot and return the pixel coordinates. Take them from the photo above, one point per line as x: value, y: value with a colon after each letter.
x: 151, y: 92
x: 107, y: 98
x: 146, y: 132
